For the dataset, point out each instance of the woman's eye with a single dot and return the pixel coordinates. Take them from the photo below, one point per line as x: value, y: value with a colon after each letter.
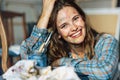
x: 75, y: 18
x: 63, y: 26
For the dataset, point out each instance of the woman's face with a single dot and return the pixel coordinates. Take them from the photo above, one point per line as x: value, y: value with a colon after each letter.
x: 70, y: 25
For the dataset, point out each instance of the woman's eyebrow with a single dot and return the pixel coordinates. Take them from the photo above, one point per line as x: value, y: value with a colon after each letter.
x: 61, y: 19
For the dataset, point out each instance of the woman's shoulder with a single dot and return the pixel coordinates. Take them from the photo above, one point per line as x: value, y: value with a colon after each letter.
x: 106, y: 36
x: 105, y: 39
x: 105, y: 42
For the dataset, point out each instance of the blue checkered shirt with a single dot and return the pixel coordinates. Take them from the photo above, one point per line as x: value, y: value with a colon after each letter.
x: 103, y: 66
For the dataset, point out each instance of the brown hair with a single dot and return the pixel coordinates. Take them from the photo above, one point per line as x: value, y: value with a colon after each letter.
x: 59, y: 47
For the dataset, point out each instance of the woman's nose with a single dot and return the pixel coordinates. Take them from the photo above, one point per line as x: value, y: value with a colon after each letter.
x: 74, y: 27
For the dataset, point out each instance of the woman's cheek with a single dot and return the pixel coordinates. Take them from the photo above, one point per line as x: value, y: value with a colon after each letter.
x: 64, y: 33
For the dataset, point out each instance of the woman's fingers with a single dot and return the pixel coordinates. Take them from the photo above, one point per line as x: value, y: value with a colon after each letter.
x: 48, y: 5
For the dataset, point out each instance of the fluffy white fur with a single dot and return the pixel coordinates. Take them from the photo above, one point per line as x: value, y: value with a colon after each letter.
x: 22, y: 70
x: 60, y: 73
x: 25, y: 70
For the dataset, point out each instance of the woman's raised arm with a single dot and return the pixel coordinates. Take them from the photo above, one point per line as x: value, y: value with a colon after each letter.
x: 46, y: 12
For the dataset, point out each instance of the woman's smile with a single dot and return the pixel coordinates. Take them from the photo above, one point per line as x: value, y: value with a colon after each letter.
x: 76, y: 34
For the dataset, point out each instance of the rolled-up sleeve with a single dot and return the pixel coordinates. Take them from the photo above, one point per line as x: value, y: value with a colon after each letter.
x: 33, y: 42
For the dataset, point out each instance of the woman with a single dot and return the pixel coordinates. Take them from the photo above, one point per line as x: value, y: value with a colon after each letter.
x: 73, y: 42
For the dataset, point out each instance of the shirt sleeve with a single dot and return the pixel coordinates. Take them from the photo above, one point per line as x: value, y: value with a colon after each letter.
x: 33, y: 43
x: 104, y: 65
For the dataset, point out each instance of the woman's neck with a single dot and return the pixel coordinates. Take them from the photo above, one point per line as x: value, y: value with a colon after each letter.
x: 77, y: 50
x: 76, y: 47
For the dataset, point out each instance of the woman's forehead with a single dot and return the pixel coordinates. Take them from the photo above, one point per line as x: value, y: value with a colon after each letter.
x: 66, y: 12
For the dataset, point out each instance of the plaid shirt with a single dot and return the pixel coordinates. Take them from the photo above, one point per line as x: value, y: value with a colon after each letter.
x: 103, y: 66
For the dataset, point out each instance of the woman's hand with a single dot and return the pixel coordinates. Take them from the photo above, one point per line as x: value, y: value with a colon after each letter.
x: 47, y: 7
x: 46, y: 12
x: 56, y: 63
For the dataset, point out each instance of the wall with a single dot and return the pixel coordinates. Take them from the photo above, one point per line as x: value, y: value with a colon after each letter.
x: 105, y: 20
x: 97, y: 3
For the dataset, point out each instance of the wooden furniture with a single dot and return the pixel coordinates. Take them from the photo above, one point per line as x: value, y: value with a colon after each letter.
x: 4, y: 46
x: 7, y: 35
x: 7, y: 17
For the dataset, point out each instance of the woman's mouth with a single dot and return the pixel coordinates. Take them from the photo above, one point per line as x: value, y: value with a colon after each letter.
x: 77, y: 34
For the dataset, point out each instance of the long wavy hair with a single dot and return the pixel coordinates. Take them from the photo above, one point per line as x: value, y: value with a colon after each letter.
x: 59, y: 47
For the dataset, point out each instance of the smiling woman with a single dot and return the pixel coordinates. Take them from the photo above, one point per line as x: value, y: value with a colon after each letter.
x: 70, y: 25
x: 73, y: 42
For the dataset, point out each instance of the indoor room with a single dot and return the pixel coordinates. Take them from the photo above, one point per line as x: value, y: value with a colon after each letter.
x: 19, y: 19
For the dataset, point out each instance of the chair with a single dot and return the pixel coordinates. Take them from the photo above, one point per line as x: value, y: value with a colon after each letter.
x: 4, y: 46
x: 7, y: 18
x: 7, y: 39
